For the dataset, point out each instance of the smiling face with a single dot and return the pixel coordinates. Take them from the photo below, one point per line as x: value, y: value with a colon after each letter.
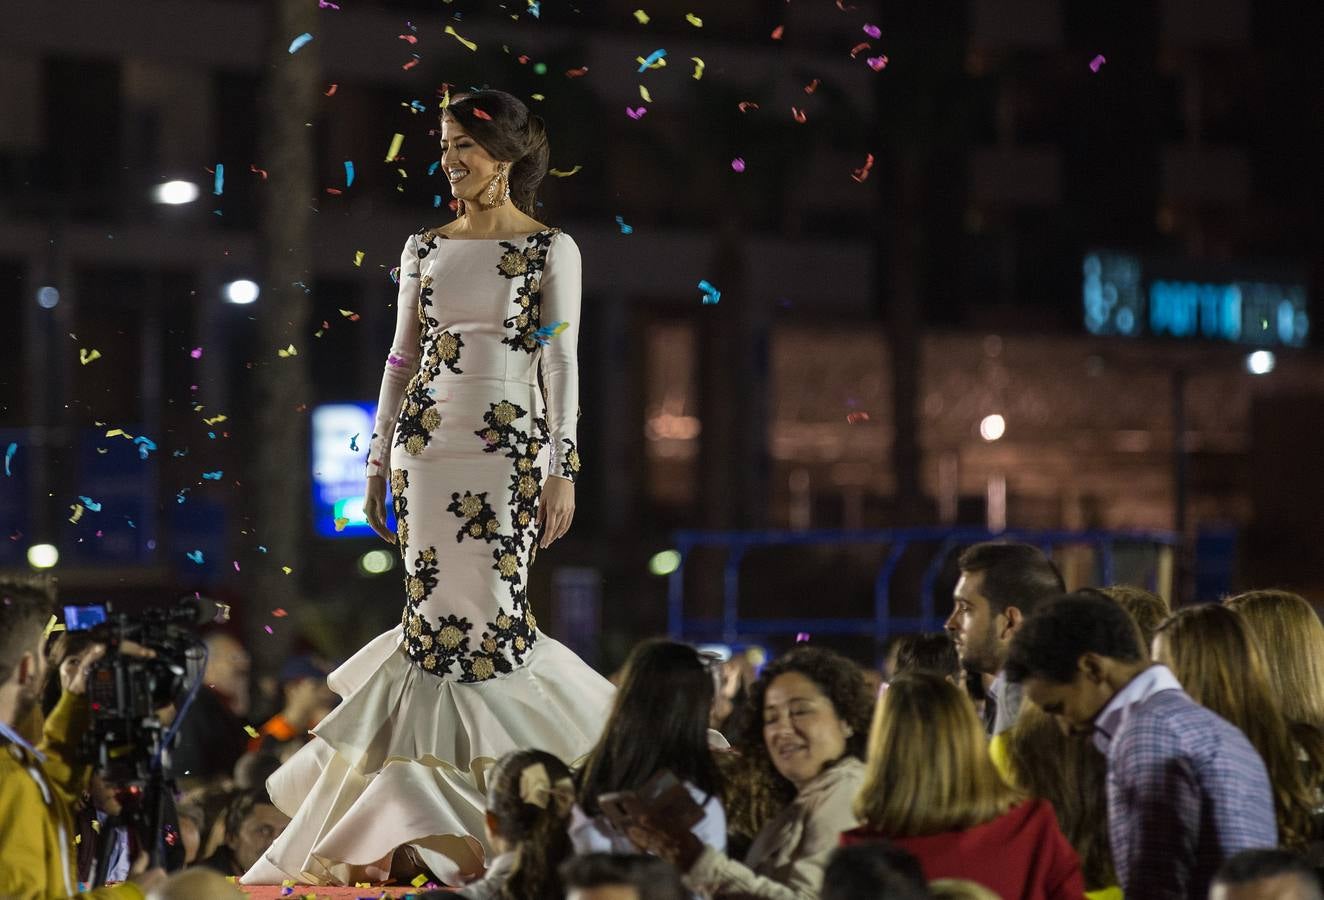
x: 468, y: 167
x: 801, y: 728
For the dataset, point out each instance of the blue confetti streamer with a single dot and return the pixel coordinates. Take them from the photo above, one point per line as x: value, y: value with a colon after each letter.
x: 196, y: 556
x: 91, y: 504
x: 213, y: 476
x: 354, y: 443
x: 349, y: 173
x: 9, y: 454
x: 145, y: 445
x: 652, y: 58
x: 436, y: 200
x: 219, y: 186
x: 711, y: 294
x: 300, y: 41
x: 625, y: 229
x: 432, y: 169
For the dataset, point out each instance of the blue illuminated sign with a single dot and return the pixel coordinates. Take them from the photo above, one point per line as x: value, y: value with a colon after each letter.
x: 1121, y: 299
x: 340, y: 434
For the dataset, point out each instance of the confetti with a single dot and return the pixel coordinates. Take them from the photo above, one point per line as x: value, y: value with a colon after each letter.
x: 738, y: 164
x: 358, y: 257
x: 77, y: 510
x: 873, y: 31
x: 777, y: 32
x: 394, y: 275
x: 268, y: 629
x: 341, y: 522
x: 694, y: 20
x: 252, y: 732
x: 798, y: 114
x: 482, y: 114
x: 801, y: 637
x: 350, y: 314
x: 196, y: 556
x: 9, y: 454
x: 411, y: 38
x: 354, y: 442
x: 746, y: 105
x: 559, y: 174
x: 327, y: 4
x: 711, y: 294
x: 287, y: 352
x: 625, y: 229
x: 859, y: 48
x: 654, y: 57
x: 812, y: 86
x: 698, y: 67
x: 145, y: 445
x: 863, y: 172
x: 300, y: 41
x: 636, y: 113
x: 349, y: 173
x: 544, y: 335
x: 576, y: 73
x: 218, y: 184
x: 213, y: 476
x: 196, y: 353
x: 279, y: 613
x: 419, y: 881
x: 1097, y: 63
x: 91, y: 504
x: 396, y: 361
x: 857, y: 417
x: 877, y: 63
x: 643, y: 92
x: 641, y: 16
x: 52, y: 625
x: 397, y: 140
x: 86, y: 356
x: 329, y: 92
x: 286, y: 569
x: 214, y: 420
x: 236, y: 564
x: 455, y: 34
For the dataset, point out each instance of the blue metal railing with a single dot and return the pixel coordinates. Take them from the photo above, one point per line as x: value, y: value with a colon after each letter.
x: 734, y: 628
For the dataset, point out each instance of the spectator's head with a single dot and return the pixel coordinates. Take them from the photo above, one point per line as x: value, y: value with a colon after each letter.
x: 659, y: 720
x: 1265, y: 875
x: 870, y: 871
x: 25, y: 608
x: 959, y: 889
x: 933, y: 652
x: 252, y: 822
x: 307, y: 697
x: 1074, y: 654
x: 1221, y: 665
x: 808, y: 709
x: 1148, y: 610
x: 1287, y: 623
x: 1000, y: 585
x: 192, y: 823
x: 620, y: 876
x: 196, y: 884
x: 928, y: 767
x: 68, y: 645
x: 529, y: 797
x: 228, y: 665
x: 253, y: 769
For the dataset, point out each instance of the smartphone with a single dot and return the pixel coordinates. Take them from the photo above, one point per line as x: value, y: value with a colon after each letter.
x: 81, y: 618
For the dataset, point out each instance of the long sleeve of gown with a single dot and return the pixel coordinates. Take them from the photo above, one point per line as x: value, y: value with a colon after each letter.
x: 401, y: 364
x: 561, y: 288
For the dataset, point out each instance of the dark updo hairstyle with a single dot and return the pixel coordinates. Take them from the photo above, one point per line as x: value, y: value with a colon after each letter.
x: 756, y: 791
x: 537, y: 834
x: 510, y: 133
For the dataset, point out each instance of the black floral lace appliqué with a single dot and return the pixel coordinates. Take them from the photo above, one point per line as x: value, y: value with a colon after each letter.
x: 525, y: 262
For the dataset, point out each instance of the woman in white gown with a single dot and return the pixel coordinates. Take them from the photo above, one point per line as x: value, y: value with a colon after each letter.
x: 476, y: 433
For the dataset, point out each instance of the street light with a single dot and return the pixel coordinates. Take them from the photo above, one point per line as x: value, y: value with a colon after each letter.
x: 1261, y: 362
x: 43, y: 556
x: 241, y: 291
x: 992, y: 427
x: 175, y: 193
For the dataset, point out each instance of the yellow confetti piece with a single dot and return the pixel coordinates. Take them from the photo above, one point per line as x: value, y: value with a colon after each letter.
x: 119, y: 432
x: 537, y: 96
x: 362, y: 884
x: 77, y: 513
x: 643, y: 92
x: 286, y: 569
x: 694, y: 20
x: 96, y: 826
x: 78, y: 839
x: 698, y: 67
x: 470, y: 44
x: 559, y: 174
x: 397, y: 141
x: 252, y: 732
x: 657, y: 64
x: 287, y: 352
x: 51, y: 626
x: 358, y: 257
x: 641, y: 16
x: 419, y: 881
x: 86, y: 356
x: 341, y: 523
x: 214, y: 420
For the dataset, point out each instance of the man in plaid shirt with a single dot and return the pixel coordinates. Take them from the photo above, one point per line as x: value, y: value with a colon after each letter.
x: 1186, y: 790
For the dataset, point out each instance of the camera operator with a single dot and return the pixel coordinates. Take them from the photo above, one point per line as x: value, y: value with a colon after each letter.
x: 38, y: 859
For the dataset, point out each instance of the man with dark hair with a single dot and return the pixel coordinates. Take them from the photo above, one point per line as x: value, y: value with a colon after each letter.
x: 252, y: 822
x: 620, y: 876
x: 870, y: 871
x: 1186, y: 790
x: 1268, y: 874
x: 1000, y: 584
x: 38, y: 784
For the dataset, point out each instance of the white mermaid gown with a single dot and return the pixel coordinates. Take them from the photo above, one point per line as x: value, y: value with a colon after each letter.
x: 466, y: 437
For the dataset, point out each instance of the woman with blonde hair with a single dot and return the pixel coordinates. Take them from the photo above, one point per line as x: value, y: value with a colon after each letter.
x: 1289, y: 624
x: 1218, y: 661
x: 931, y: 789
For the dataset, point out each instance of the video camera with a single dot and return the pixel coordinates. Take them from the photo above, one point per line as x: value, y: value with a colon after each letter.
x: 128, y: 742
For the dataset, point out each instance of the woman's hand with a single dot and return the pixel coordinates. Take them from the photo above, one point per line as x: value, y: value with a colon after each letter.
x: 374, y: 507
x: 556, y: 510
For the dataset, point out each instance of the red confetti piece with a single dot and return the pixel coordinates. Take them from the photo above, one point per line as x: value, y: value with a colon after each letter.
x: 858, y: 48
x: 577, y: 73
x: 746, y: 105
x: 863, y: 173
x: 777, y: 32
x: 413, y: 39
x: 846, y: 8
x: 856, y: 417
x: 523, y: 60
x: 336, y: 191
x: 409, y: 65
x: 812, y: 86
x: 256, y: 171
x: 482, y: 114
x: 799, y: 115
x: 279, y: 612
x: 331, y: 90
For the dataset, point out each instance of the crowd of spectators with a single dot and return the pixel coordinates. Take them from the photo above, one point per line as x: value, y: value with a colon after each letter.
x: 1046, y: 744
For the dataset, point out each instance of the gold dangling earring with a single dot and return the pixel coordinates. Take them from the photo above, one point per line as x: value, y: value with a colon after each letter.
x: 492, y: 201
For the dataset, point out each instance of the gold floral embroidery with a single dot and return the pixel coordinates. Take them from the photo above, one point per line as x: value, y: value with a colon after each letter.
x: 508, y: 565
x: 505, y: 412
x: 513, y: 263
x: 489, y: 645
x: 530, y: 620
x: 414, y: 588
x: 470, y: 506
x: 431, y: 419
x: 450, y: 637
x: 503, y: 621
x: 482, y: 668
x: 414, y: 445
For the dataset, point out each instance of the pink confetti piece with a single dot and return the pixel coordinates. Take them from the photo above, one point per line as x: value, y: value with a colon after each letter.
x: 196, y: 353
x: 798, y: 115
x: 855, y: 417
x: 746, y: 105
x: 636, y: 114
x: 877, y: 63
x: 873, y: 31
x: 279, y: 613
x: 267, y: 629
x: 802, y: 637
x: 236, y: 565
x: 863, y: 172
x: 812, y: 86
x: 738, y: 164
x: 777, y: 32
x: 1097, y: 63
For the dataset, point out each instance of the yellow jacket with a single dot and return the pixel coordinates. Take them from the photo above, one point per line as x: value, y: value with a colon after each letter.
x: 38, y: 860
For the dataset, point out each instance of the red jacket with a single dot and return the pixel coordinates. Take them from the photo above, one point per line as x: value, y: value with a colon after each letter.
x: 1020, y: 854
